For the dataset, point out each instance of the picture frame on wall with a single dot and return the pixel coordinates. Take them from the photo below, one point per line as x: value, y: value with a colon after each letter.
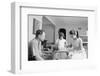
x: 29, y: 25
x: 36, y: 25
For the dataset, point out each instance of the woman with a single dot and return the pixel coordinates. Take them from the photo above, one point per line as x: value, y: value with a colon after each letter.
x: 77, y: 50
x: 61, y: 44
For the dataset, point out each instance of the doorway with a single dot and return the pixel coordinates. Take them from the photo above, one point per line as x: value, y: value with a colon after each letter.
x: 63, y: 30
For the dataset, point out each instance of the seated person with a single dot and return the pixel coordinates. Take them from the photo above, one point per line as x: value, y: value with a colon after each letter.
x: 35, y: 48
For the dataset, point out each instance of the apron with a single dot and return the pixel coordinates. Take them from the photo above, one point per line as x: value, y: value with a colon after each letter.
x: 80, y: 54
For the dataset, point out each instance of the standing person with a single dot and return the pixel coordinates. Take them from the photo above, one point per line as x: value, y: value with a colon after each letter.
x: 61, y: 44
x: 34, y: 51
x: 78, y: 52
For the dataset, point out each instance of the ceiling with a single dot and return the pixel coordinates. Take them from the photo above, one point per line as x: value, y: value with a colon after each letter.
x: 58, y: 20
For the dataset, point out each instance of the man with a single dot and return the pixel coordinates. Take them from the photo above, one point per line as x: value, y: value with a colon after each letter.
x: 34, y: 51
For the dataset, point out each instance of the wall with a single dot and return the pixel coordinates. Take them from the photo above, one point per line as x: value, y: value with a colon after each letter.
x: 39, y: 18
x: 49, y: 29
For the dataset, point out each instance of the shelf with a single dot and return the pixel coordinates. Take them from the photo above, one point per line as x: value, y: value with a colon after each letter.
x: 85, y: 42
x: 83, y: 35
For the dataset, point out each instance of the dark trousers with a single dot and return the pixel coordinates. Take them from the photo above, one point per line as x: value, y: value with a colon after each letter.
x: 32, y: 58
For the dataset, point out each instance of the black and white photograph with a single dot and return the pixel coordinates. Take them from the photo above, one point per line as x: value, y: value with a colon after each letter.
x: 52, y: 37
x: 48, y: 39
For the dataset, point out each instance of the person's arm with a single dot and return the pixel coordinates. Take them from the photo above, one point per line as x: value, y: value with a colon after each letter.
x: 56, y: 44
x: 66, y: 44
x: 71, y: 49
x: 81, y: 44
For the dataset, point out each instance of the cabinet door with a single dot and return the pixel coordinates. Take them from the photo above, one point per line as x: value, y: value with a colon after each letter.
x: 50, y: 32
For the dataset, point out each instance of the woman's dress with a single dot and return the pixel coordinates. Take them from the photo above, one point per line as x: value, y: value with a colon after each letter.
x: 78, y: 50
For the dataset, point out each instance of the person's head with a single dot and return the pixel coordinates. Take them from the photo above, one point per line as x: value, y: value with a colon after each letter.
x: 73, y: 34
x: 40, y: 34
x: 61, y: 35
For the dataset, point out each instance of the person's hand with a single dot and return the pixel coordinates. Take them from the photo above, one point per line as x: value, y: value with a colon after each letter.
x: 40, y: 58
x: 70, y: 54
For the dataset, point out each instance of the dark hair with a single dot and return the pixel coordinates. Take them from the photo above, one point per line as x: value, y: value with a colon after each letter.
x: 61, y: 34
x: 73, y: 32
x: 39, y: 32
x: 77, y: 34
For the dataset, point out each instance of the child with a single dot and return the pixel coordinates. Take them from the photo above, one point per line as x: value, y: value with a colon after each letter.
x: 78, y: 52
x: 61, y: 44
